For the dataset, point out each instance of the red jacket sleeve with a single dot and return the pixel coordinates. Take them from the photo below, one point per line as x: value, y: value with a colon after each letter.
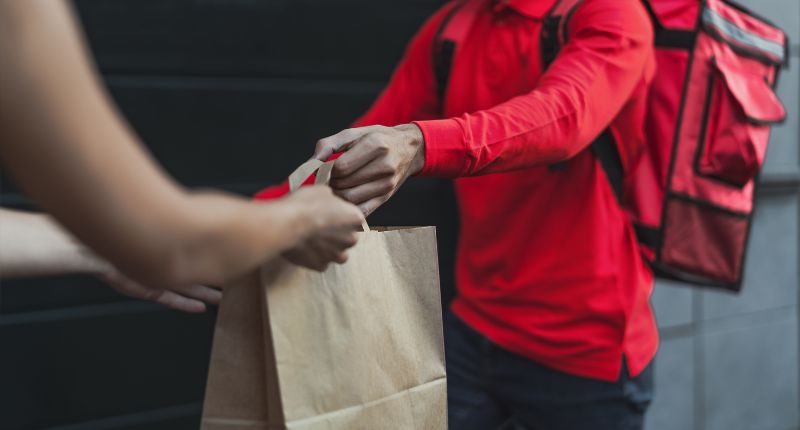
x: 411, y: 92
x: 610, y: 44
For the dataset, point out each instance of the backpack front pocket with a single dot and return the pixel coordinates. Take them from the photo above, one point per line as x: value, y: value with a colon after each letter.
x: 740, y: 105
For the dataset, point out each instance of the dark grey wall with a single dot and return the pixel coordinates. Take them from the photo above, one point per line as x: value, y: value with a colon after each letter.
x: 232, y: 94
x: 226, y: 93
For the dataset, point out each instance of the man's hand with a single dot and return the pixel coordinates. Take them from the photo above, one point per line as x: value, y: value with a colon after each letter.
x: 376, y: 162
x: 192, y: 299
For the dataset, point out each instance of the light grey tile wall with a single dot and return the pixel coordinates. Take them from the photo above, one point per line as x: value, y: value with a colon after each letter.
x: 771, y: 267
x: 783, y: 153
x: 674, y: 403
x: 750, y: 376
x: 672, y: 303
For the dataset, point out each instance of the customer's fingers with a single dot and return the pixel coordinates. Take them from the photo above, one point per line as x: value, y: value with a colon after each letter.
x: 178, y: 302
x: 332, y: 249
x: 338, y: 238
x: 307, y: 255
x: 188, y: 299
x: 202, y: 293
x: 341, y: 257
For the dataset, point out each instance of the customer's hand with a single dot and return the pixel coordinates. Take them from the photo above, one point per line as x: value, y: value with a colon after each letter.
x: 334, y: 224
x: 376, y: 163
x: 325, y: 247
x: 192, y: 298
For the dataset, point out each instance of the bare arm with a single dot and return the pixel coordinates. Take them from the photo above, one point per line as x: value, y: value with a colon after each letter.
x: 33, y: 245
x: 63, y: 142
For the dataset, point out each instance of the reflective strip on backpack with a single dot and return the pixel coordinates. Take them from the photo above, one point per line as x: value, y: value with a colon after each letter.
x: 739, y: 35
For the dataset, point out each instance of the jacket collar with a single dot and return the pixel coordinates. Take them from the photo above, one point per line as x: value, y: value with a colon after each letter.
x: 536, y: 9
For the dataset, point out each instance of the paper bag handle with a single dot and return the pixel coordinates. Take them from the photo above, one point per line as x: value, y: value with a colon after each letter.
x: 323, y: 169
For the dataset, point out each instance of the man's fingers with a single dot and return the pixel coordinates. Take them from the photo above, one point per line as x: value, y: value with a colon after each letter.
x: 339, y: 142
x: 180, y: 303
x: 362, y: 193
x: 371, y: 205
x: 361, y: 152
x: 377, y: 169
x: 324, y: 150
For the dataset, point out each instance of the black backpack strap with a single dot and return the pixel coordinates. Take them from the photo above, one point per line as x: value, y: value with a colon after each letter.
x: 443, y: 53
x: 454, y: 28
x: 443, y: 63
x: 605, y: 149
x: 552, y: 37
x: 666, y: 37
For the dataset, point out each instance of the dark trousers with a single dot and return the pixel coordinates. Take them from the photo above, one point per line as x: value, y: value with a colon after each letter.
x: 490, y: 388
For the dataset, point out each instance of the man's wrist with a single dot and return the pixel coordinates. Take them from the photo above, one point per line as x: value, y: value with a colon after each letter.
x: 416, y: 142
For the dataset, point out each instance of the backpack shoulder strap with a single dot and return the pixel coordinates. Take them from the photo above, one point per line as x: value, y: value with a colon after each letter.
x: 554, y: 29
x: 451, y: 34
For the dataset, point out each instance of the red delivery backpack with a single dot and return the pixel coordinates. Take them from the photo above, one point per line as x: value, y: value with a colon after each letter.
x: 690, y: 193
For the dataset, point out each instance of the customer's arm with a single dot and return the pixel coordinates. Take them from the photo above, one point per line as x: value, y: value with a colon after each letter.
x: 69, y: 150
x: 31, y: 244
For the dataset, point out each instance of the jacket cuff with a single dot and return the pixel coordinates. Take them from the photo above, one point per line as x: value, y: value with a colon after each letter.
x: 444, y: 148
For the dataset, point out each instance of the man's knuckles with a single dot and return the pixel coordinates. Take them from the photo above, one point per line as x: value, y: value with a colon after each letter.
x: 388, y: 185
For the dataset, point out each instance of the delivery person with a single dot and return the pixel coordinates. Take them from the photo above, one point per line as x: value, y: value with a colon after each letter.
x: 552, y: 326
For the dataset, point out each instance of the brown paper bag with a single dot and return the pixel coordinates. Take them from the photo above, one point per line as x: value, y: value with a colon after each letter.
x: 356, y: 347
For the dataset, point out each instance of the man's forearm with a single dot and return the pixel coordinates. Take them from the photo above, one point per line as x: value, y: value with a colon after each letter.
x: 33, y: 245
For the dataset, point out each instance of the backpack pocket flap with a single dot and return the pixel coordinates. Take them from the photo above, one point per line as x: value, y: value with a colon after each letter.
x: 740, y: 106
x: 756, y: 98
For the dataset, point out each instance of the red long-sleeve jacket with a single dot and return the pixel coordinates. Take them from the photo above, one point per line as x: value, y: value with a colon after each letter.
x: 548, y: 265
